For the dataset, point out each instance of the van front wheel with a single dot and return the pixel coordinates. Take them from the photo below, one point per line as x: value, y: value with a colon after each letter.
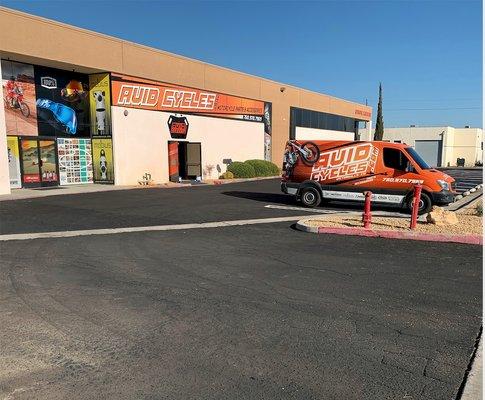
x: 310, y: 197
x: 425, y: 204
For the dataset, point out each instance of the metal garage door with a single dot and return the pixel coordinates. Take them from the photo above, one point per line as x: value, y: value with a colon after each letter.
x: 430, y: 151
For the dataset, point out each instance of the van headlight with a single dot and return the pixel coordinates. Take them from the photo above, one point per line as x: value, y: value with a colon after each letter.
x: 444, y: 185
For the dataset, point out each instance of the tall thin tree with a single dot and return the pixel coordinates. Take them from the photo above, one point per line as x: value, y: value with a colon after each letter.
x: 379, y: 133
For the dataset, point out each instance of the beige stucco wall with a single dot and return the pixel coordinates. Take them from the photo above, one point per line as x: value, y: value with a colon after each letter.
x: 467, y: 145
x: 302, y: 133
x: 4, y: 171
x: 409, y: 135
x: 51, y: 43
x: 457, y: 142
x: 140, y: 143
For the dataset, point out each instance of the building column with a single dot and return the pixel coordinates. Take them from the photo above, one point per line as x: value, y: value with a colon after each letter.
x: 448, y: 141
x: 368, y: 132
x: 4, y: 170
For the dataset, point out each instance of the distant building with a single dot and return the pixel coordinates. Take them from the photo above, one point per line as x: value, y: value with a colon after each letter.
x: 440, y: 146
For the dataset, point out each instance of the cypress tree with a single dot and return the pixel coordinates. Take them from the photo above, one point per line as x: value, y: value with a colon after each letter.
x: 379, y: 133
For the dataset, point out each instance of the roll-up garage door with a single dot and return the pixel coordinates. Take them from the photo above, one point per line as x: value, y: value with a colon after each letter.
x: 430, y: 151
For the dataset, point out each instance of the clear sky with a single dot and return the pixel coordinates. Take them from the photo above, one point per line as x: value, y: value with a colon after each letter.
x: 428, y: 54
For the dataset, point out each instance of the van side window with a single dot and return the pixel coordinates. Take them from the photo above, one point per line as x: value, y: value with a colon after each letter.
x: 395, y: 159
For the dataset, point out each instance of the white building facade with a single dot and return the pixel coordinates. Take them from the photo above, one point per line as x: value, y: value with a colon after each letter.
x: 441, y: 146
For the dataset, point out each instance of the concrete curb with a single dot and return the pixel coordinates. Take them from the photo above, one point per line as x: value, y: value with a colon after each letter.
x: 473, y: 387
x: 464, y: 200
x: 429, y: 237
x: 236, y: 180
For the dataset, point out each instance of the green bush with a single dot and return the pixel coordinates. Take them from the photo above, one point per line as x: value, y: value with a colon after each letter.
x: 241, y: 170
x: 264, y: 168
x: 227, y: 175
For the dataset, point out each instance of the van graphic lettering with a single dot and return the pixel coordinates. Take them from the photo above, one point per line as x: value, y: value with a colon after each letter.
x: 345, y: 162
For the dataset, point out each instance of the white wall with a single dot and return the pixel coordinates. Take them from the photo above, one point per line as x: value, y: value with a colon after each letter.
x: 302, y: 133
x: 468, y: 145
x: 140, y: 143
x: 4, y: 170
x: 409, y: 135
x: 457, y: 142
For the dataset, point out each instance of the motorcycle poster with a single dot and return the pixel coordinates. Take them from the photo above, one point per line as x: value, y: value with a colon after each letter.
x: 19, y: 97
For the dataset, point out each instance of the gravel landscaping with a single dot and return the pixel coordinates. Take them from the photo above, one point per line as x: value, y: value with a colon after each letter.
x: 468, y: 224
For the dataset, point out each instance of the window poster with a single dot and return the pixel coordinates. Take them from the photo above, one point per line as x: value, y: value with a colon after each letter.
x: 100, y: 104
x: 62, y: 102
x: 19, y: 98
x: 103, y: 160
x: 14, y: 162
x: 75, y: 161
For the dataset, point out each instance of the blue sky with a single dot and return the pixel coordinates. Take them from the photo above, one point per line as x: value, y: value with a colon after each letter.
x: 428, y: 54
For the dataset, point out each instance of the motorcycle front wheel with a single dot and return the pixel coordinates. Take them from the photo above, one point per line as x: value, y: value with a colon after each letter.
x: 24, y: 108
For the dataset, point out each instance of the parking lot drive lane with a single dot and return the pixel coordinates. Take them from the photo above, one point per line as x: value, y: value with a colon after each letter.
x: 259, y: 311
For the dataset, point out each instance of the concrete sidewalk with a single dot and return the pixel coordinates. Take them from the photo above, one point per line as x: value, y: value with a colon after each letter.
x: 474, y: 385
x: 18, y: 194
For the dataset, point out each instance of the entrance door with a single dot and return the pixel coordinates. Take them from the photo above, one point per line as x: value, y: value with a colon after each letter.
x: 39, y: 165
x: 173, y: 161
x: 194, y: 168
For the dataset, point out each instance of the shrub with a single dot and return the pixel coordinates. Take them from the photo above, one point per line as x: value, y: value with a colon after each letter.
x: 227, y: 175
x: 264, y: 168
x: 241, y: 170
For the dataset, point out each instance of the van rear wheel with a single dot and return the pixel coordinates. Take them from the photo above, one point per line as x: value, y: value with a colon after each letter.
x: 310, y: 197
x: 425, y: 204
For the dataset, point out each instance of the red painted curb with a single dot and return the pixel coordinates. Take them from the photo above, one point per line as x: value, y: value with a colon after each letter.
x: 429, y: 237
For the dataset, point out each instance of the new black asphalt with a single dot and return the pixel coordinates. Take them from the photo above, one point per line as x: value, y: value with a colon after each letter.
x: 247, y: 312
x: 144, y: 207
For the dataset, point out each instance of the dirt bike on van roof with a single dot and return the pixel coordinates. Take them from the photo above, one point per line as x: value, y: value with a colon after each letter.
x: 344, y: 170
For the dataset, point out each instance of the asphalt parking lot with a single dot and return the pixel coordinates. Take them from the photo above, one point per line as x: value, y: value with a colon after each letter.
x: 255, y: 311
x: 466, y: 178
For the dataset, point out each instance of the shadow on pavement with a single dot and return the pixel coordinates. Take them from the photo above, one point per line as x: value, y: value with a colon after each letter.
x: 287, y: 200
x: 263, y: 197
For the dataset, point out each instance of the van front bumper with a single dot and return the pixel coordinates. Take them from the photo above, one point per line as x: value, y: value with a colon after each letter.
x: 443, y: 197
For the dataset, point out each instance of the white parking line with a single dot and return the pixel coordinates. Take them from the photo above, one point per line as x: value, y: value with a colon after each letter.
x: 311, y: 210
x: 113, y: 231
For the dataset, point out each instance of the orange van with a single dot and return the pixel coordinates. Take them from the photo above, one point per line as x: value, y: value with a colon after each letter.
x: 344, y: 170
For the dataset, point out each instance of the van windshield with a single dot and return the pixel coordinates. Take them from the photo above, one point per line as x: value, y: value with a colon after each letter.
x: 417, y: 158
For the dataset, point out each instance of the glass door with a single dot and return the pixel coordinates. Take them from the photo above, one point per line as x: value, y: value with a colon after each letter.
x: 39, y: 163
x: 48, y: 164
x: 30, y: 163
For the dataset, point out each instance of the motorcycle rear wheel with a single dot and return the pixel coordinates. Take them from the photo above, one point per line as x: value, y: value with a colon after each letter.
x: 311, y: 154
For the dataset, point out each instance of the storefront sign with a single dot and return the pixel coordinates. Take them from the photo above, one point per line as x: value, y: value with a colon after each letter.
x: 99, y: 105
x: 103, y: 160
x: 13, y: 162
x: 75, y: 161
x: 138, y: 93
x: 363, y: 113
x: 178, y: 127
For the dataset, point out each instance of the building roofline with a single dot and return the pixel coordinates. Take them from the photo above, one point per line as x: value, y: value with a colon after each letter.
x: 123, y: 41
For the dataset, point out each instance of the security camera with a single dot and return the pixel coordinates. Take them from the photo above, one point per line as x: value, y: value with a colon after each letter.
x: 282, y: 89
